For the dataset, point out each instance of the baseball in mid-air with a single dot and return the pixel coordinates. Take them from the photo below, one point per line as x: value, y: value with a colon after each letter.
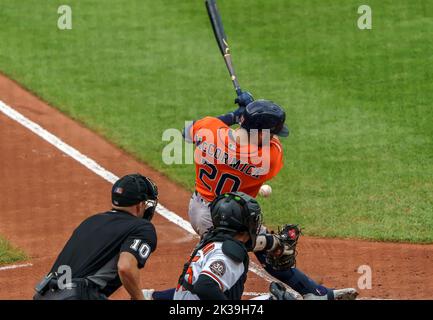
x: 265, y: 190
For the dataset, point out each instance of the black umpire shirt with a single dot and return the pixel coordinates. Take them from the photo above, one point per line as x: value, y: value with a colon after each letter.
x: 93, y: 250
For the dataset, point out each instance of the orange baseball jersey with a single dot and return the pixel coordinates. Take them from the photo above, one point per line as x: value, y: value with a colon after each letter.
x: 222, y: 165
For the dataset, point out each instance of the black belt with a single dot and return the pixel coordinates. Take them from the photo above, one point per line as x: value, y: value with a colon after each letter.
x: 51, y: 282
x: 77, y: 289
x: 74, y: 284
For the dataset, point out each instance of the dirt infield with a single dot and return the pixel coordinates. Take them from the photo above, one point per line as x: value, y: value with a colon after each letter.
x: 45, y: 194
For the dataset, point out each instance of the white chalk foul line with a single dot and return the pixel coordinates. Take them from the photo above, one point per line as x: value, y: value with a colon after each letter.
x: 15, y: 266
x: 102, y: 172
x: 83, y: 159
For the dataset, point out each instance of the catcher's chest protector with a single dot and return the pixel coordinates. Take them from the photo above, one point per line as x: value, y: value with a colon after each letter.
x: 213, y: 256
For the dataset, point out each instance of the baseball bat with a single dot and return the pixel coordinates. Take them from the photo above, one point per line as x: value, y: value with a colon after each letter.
x: 221, y: 38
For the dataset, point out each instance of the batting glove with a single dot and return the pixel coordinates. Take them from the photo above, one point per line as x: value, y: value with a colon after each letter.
x: 244, y: 99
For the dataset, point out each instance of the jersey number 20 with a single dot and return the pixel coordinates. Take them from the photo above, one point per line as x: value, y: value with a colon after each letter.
x: 212, y: 173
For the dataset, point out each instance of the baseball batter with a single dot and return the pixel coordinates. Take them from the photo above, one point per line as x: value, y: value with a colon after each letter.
x: 229, y: 160
x: 243, y: 159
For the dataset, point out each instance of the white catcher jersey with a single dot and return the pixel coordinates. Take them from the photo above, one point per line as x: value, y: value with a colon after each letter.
x: 212, y: 262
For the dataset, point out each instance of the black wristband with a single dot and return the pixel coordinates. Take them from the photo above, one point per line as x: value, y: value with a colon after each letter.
x: 269, y: 242
x: 229, y: 119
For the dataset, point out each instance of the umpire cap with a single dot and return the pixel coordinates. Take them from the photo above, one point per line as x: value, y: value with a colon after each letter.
x: 265, y: 114
x: 133, y: 189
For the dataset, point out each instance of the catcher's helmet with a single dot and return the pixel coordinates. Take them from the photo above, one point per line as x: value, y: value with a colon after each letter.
x: 265, y: 114
x: 237, y: 212
x: 133, y: 189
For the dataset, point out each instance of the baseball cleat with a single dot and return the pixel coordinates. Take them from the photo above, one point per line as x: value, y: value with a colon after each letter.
x: 338, y: 294
x: 148, y: 294
x: 279, y: 292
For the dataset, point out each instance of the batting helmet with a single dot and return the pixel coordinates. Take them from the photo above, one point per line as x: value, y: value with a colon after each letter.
x: 133, y: 189
x: 237, y: 212
x: 265, y: 114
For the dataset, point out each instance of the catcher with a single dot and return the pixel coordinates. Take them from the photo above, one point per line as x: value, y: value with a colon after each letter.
x: 218, y: 266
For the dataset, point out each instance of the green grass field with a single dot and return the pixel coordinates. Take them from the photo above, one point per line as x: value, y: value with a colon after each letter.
x: 10, y: 254
x: 359, y: 161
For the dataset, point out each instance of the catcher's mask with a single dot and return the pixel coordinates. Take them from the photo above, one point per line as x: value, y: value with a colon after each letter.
x: 133, y: 189
x: 237, y: 212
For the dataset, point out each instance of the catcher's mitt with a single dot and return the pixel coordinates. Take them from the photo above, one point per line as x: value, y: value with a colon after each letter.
x: 284, y: 257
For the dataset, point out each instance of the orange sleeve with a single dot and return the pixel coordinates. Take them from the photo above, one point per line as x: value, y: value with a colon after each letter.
x: 276, y: 159
x: 205, y: 123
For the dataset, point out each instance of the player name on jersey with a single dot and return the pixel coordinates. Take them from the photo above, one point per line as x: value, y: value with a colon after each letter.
x: 228, y: 157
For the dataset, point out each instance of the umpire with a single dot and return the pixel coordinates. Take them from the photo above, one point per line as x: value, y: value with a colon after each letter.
x: 107, y: 250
